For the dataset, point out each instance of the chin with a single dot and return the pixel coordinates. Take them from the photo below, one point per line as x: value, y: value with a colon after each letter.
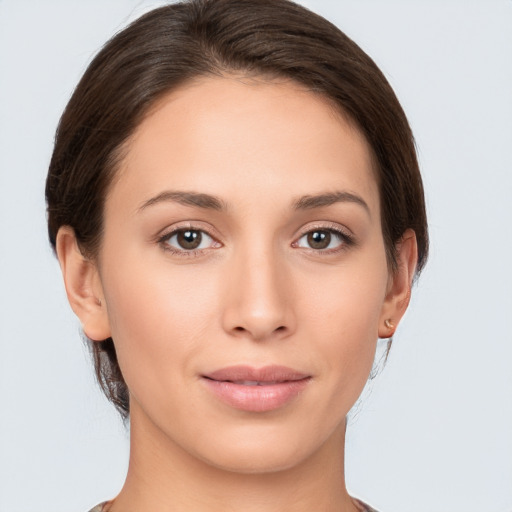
x: 253, y: 450
x: 255, y: 461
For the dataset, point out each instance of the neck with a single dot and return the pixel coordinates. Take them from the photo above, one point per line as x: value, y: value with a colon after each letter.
x: 162, y: 477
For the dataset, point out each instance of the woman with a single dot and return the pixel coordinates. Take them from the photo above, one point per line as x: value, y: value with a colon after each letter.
x: 236, y: 205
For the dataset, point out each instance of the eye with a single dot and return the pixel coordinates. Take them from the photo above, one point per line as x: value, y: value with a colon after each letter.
x: 185, y: 240
x: 323, y: 239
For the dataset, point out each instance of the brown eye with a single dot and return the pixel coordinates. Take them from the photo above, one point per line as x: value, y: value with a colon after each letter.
x: 319, y: 239
x: 189, y: 239
x: 327, y: 240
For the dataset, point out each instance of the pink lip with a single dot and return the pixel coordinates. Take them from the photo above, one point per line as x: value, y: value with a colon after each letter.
x: 276, y: 386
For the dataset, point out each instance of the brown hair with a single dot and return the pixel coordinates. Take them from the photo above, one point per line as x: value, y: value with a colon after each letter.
x: 176, y: 43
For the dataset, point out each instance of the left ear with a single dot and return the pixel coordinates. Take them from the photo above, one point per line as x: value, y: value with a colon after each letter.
x: 399, y: 287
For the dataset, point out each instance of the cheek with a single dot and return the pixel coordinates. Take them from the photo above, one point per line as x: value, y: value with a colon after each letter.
x: 347, y: 301
x: 343, y: 320
x: 159, y: 315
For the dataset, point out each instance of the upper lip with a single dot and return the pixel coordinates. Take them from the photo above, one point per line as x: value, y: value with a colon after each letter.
x: 272, y: 373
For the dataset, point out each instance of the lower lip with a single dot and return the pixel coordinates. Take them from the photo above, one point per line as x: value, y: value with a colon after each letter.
x: 257, y: 398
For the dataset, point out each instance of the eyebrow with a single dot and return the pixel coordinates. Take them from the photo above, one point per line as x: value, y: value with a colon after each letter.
x: 319, y: 200
x: 205, y: 201
x: 210, y: 202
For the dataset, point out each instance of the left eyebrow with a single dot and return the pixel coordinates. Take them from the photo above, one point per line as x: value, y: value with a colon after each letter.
x: 319, y: 200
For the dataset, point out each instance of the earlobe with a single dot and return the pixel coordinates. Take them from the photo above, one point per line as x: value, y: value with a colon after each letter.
x: 399, y: 289
x: 83, y: 286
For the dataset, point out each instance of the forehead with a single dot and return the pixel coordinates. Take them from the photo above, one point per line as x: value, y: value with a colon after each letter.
x: 224, y: 135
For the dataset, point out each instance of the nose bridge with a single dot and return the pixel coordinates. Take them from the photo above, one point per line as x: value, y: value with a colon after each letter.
x: 259, y: 304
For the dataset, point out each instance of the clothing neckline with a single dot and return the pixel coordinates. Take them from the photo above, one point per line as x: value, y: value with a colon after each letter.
x: 363, y: 507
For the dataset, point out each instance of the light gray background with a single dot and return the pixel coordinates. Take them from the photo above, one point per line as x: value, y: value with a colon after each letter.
x: 435, y: 432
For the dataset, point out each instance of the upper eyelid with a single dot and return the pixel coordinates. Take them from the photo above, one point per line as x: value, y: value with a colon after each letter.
x: 191, y: 225
x: 174, y: 232
x: 325, y: 226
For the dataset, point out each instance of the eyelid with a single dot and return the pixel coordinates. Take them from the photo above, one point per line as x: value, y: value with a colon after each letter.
x: 345, y: 234
x: 326, y: 226
x: 193, y: 225
x: 166, y: 234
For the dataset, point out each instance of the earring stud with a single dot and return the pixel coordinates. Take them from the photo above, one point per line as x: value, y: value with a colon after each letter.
x: 389, y: 324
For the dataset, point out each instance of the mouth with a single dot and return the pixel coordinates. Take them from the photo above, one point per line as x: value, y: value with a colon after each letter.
x: 256, y: 389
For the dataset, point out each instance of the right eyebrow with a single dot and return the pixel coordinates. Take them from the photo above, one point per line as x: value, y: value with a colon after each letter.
x: 199, y: 200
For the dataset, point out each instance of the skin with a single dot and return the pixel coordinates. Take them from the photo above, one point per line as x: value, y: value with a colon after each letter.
x: 256, y: 292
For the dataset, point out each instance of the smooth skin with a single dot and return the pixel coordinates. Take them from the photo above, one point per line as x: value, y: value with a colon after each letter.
x: 290, y: 270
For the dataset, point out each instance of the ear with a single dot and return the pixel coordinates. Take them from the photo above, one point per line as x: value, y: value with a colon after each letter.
x: 83, y: 286
x: 399, y: 287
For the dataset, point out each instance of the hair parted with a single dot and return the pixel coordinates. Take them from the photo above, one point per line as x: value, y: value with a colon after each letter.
x: 171, y: 45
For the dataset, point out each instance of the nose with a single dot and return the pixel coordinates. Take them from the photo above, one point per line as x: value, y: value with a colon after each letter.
x: 259, y: 297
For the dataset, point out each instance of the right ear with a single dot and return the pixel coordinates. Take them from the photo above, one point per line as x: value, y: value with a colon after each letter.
x: 83, y: 286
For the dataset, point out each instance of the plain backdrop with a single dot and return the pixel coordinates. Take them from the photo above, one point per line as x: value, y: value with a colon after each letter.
x: 433, y: 433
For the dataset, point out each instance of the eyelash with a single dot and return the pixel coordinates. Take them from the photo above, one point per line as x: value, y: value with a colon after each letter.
x: 346, y: 240
x: 184, y: 253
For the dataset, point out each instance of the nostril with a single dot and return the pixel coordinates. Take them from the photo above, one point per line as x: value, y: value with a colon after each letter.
x: 258, y: 335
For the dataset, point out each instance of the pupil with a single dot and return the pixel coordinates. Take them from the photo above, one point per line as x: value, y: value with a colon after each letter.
x: 189, y: 239
x: 319, y: 239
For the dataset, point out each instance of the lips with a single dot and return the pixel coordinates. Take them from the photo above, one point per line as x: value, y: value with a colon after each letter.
x: 256, y: 389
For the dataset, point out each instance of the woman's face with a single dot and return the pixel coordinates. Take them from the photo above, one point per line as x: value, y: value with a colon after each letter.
x: 244, y: 273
